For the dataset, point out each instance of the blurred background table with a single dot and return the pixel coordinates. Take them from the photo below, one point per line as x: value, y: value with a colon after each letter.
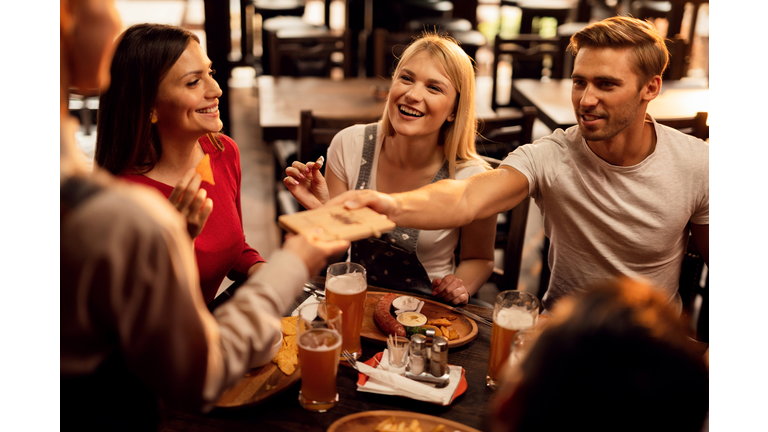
x: 282, y: 99
x: 678, y: 99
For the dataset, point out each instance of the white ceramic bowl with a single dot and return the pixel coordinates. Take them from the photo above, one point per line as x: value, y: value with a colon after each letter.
x: 273, y: 350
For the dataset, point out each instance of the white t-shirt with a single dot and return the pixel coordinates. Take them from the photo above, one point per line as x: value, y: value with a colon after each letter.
x: 604, y: 220
x: 435, y: 247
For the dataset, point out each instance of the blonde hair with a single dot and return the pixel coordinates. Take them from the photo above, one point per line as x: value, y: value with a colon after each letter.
x: 458, y: 136
x: 648, y: 48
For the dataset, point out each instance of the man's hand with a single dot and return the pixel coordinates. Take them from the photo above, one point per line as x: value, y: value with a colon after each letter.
x: 379, y: 202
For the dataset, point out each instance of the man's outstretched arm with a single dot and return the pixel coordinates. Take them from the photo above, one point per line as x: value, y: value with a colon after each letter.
x: 447, y: 203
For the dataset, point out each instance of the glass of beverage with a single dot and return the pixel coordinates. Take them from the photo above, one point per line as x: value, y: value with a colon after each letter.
x: 346, y: 285
x: 319, y: 340
x: 512, y: 311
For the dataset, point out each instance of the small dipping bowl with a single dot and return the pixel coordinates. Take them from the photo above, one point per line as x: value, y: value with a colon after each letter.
x: 413, y: 322
x: 273, y: 350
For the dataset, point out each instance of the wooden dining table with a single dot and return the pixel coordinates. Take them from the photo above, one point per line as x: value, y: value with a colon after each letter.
x: 282, y: 411
x: 282, y: 99
x: 552, y: 99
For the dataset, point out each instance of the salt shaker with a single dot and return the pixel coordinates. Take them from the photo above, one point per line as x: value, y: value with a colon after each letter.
x: 438, y: 364
x: 418, y: 354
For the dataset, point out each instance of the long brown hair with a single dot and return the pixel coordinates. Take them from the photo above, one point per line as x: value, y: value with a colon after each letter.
x: 126, y: 139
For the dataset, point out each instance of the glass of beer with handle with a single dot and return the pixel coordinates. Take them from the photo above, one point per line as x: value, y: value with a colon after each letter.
x: 319, y: 339
x: 512, y: 311
x: 346, y: 286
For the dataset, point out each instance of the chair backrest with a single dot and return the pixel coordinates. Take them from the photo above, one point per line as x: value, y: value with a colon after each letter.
x: 681, y: 45
x: 387, y: 49
x: 560, y: 10
x: 500, y: 135
x: 308, y: 51
x: 528, y: 54
x: 696, y: 126
x: 317, y: 132
x: 510, y: 236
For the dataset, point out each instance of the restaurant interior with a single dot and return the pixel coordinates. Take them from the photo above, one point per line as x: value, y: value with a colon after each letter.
x: 285, y: 66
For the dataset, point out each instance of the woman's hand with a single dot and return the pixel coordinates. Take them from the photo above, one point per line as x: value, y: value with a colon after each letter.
x: 450, y: 289
x: 192, y: 202
x: 314, y: 252
x: 307, y: 184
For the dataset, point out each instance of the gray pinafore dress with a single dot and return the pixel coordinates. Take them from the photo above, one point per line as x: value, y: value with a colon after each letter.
x: 390, y: 261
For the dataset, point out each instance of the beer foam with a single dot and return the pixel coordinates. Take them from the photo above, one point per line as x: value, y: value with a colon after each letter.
x: 514, y: 319
x: 320, y: 340
x: 349, y: 283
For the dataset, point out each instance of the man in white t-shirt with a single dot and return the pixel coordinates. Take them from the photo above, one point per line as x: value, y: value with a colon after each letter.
x: 619, y: 193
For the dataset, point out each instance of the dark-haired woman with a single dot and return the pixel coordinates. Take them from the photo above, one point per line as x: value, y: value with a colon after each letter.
x: 156, y: 122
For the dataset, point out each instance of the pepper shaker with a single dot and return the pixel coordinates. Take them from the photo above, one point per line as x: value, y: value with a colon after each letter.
x: 438, y: 365
x: 418, y: 354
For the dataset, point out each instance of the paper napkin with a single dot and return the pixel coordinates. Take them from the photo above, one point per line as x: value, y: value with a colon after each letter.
x: 383, y: 382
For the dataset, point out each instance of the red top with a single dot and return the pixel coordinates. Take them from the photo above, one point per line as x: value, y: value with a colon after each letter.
x: 220, y: 248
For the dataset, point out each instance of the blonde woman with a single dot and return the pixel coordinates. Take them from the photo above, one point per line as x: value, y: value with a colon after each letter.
x: 427, y: 134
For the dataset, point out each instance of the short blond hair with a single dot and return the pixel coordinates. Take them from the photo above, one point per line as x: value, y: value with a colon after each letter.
x: 458, y: 136
x: 649, y: 51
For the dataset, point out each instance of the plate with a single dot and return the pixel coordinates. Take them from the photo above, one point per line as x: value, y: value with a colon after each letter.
x: 374, y: 361
x: 465, y: 327
x: 258, y: 385
x: 368, y: 420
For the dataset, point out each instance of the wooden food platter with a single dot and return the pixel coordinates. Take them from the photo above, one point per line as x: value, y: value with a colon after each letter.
x: 368, y: 420
x: 466, y: 327
x: 258, y: 385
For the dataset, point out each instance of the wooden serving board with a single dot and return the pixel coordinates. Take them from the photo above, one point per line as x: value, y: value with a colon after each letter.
x: 466, y: 327
x: 367, y: 421
x: 258, y: 385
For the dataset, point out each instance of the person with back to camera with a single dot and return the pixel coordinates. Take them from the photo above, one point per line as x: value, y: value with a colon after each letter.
x: 427, y: 133
x: 133, y: 323
x: 613, y: 358
x: 157, y: 121
x: 619, y: 193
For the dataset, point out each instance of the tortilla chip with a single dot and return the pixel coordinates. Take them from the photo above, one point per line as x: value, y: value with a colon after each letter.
x: 446, y: 333
x: 289, y: 325
x: 288, y: 357
x: 441, y: 322
x: 286, y: 365
x: 204, y: 168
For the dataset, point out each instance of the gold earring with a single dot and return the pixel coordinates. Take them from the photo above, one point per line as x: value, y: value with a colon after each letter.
x: 153, y: 119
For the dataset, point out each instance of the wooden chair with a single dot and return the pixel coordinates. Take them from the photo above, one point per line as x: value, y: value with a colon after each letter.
x: 317, y: 132
x: 498, y: 136
x: 528, y: 55
x: 690, y: 287
x: 679, y: 44
x: 267, y: 9
x: 510, y: 237
x: 387, y: 49
x: 308, y: 51
x: 696, y: 126
x: 470, y: 40
x: 560, y: 10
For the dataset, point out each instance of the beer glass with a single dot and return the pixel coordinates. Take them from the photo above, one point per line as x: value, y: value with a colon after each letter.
x: 512, y: 311
x: 346, y: 286
x: 319, y: 340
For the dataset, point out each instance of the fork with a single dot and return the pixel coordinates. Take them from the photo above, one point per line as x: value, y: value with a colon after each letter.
x: 350, y: 359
